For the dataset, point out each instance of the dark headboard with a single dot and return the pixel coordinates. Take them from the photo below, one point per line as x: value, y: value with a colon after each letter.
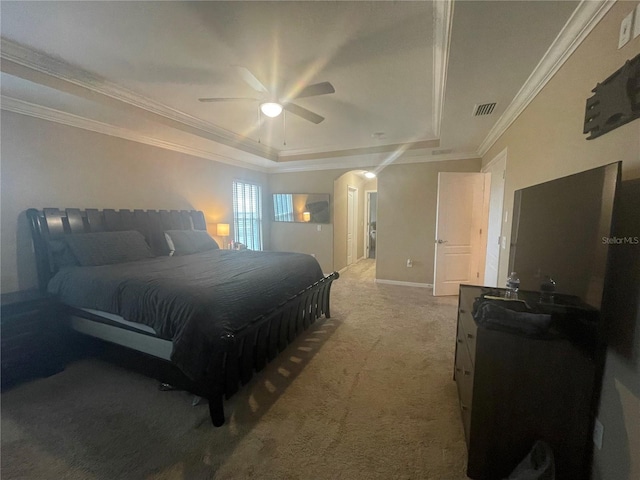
x: 54, y: 223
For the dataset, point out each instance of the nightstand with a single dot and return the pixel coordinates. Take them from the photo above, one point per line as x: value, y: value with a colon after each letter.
x: 30, y: 332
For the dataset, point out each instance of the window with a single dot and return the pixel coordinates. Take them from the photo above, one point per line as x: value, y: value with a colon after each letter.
x: 247, y: 214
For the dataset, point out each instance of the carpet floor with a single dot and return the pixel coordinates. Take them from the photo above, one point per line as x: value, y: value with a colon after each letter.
x: 367, y: 394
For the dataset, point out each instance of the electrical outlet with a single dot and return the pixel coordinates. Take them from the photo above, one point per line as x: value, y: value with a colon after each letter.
x: 409, y: 263
x: 598, y: 433
x: 625, y: 30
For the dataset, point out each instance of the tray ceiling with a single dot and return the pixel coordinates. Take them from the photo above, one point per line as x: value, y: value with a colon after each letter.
x: 407, y: 75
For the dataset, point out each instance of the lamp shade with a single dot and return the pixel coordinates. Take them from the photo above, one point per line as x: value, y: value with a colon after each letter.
x: 306, y: 216
x: 271, y: 109
x: 223, y: 229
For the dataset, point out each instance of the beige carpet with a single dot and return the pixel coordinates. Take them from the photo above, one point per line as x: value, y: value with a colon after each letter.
x: 367, y: 394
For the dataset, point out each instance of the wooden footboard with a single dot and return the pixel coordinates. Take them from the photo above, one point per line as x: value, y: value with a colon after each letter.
x: 259, y: 342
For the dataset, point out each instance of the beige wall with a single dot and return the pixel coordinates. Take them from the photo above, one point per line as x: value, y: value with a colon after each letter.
x: 303, y: 237
x: 407, y: 196
x: 45, y: 164
x: 546, y: 142
x: 48, y: 164
x: 330, y: 243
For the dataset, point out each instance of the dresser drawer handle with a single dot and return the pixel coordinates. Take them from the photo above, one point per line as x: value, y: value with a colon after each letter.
x: 462, y: 310
x: 467, y: 372
x: 469, y: 335
x: 460, y: 340
x: 464, y: 407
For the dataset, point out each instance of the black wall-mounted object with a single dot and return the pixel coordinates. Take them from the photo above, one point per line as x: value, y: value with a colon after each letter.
x: 616, y: 101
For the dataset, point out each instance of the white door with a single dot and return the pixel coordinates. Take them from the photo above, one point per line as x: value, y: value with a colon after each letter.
x: 352, y: 217
x: 496, y: 168
x: 458, y: 231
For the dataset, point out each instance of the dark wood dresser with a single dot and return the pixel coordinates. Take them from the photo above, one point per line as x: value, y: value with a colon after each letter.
x: 515, y: 389
x: 30, y: 324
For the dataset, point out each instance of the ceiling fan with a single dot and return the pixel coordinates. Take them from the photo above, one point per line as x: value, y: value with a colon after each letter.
x: 272, y: 107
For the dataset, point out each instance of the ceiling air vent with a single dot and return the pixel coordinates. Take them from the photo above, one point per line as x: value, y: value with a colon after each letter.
x: 484, y: 109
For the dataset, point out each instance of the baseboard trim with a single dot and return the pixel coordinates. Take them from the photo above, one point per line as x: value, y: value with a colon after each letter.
x: 404, y: 284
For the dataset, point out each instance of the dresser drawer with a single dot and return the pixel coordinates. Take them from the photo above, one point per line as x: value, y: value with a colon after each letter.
x: 467, y: 323
x: 467, y: 332
x: 464, y: 381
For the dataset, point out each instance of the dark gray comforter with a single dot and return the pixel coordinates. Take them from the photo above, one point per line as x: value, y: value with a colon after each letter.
x: 191, y: 300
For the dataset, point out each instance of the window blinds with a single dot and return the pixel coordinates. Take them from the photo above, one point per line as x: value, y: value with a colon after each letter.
x: 247, y: 214
x: 283, y: 207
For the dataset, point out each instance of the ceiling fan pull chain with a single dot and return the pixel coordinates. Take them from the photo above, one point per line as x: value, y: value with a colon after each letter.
x: 284, y: 128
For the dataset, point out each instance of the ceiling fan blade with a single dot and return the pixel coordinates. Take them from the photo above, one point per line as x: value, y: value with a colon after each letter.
x: 323, y: 88
x: 251, y: 80
x: 226, y: 99
x: 303, y: 112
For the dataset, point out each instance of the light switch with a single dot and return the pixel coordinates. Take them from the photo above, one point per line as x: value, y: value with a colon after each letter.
x: 319, y: 227
x: 625, y: 30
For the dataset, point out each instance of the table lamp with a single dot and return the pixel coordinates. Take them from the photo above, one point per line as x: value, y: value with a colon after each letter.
x: 223, y: 231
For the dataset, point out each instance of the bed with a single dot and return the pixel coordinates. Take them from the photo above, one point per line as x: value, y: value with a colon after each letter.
x: 155, y: 282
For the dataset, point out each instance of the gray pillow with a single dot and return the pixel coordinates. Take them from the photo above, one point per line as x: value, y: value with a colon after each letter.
x: 107, y: 248
x: 186, y: 242
x: 60, y: 253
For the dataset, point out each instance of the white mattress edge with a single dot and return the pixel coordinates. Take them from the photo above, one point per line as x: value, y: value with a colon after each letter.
x: 141, y: 342
x: 119, y: 319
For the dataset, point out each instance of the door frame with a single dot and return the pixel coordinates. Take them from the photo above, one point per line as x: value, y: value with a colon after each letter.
x: 367, y: 238
x: 500, y: 158
x: 352, y: 220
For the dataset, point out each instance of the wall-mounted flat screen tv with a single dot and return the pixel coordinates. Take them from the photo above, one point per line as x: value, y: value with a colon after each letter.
x: 562, y: 229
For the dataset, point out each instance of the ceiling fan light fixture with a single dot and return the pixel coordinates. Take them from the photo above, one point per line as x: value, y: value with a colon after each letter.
x: 271, y: 109
x: 370, y: 175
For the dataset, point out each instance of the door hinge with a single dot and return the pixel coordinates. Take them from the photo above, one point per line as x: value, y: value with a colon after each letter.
x: 477, y: 274
x: 480, y: 231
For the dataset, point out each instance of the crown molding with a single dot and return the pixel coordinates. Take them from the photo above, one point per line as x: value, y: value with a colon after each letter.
x: 420, y: 144
x: 45, y: 64
x: 442, y: 22
x: 42, y: 63
x: 500, y: 156
x: 585, y: 17
x: 375, y: 163
x: 45, y: 113
x: 378, y: 162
